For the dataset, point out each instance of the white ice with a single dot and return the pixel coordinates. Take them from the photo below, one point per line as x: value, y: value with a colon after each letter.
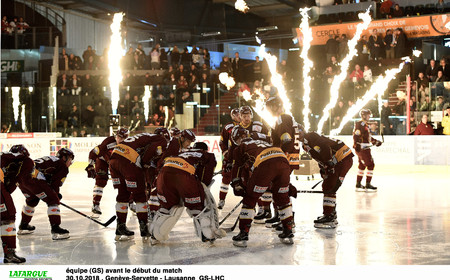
x: 406, y: 222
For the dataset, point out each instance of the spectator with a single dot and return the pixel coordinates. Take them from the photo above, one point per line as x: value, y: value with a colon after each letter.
x: 446, y: 121
x: 180, y: 72
x: 400, y: 46
x: 155, y: 62
x: 75, y: 85
x: 427, y: 105
x: 163, y: 58
x: 363, y: 49
x: 257, y: 69
x: 90, y: 64
x: 205, y: 70
x: 335, y: 64
x: 238, y: 68
x: 373, y: 128
x: 193, y: 84
x: 328, y: 75
x: 193, y: 71
x: 424, y: 127
x: 444, y: 68
x: 137, y: 63
x: 73, y: 119
x: 225, y: 66
x: 87, y: 117
x: 422, y: 81
x: 397, y: 12
x: 332, y: 46
x: 441, y: 105
x: 182, y: 84
x: 195, y: 56
x: 207, y: 57
x: 375, y: 45
x: 13, y: 25
x: 389, y: 45
x: 343, y: 46
x: 174, y: 57
x: 186, y: 58
x: 154, y: 121
x: 87, y: 54
x: 357, y: 74
x: 88, y: 84
x: 63, y: 85
x: 413, y: 104
x: 283, y: 69
x: 386, y: 125
x: 367, y: 75
x: 171, y: 101
x: 432, y: 70
x: 440, y: 7
x: 5, y: 26
x: 437, y: 88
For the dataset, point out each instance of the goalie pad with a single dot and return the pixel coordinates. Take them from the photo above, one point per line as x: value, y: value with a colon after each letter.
x: 164, y: 221
x: 207, y: 222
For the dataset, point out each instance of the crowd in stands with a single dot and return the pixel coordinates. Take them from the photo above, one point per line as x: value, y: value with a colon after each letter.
x: 11, y: 27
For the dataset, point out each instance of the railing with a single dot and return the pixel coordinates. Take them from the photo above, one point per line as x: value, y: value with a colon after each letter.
x: 32, y: 38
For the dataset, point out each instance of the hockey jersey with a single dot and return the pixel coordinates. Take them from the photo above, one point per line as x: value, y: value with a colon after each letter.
x: 54, y: 170
x: 142, y: 149
x: 362, y: 136
x: 196, y: 162
x: 286, y: 136
x: 324, y: 149
x: 15, y: 167
x: 224, y: 142
x: 103, y: 151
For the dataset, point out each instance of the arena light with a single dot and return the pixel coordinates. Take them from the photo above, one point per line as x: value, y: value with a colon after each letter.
x: 226, y: 80
x: 267, y: 28
x: 345, y: 63
x: 210, y: 34
x: 307, y: 66
x: 241, y: 5
x: 378, y: 87
x: 276, y: 78
x: 145, y: 99
x: 114, y: 56
x: 15, y: 91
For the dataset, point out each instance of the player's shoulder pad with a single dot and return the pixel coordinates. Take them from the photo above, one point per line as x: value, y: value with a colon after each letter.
x: 229, y: 126
x: 257, y: 123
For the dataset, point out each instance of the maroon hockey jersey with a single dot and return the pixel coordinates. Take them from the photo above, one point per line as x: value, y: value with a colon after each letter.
x: 54, y: 170
x: 15, y: 167
x: 104, y: 150
x: 286, y: 136
x: 362, y: 136
x: 324, y: 149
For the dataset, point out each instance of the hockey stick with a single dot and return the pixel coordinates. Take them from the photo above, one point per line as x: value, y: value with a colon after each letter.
x: 307, y: 191
x: 233, y: 227
x: 217, y: 173
x: 90, y: 218
x: 317, y: 184
x: 231, y: 212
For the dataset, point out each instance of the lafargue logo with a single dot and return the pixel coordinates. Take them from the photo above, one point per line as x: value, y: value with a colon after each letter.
x: 29, y: 274
x: 58, y: 144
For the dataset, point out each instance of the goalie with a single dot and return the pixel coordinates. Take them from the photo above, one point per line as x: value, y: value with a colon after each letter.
x: 184, y: 178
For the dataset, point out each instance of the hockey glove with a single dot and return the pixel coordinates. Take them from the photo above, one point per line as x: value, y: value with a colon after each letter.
x: 378, y: 143
x: 238, y: 190
x: 90, y: 171
x: 292, y: 191
x: 228, y: 167
x: 59, y: 196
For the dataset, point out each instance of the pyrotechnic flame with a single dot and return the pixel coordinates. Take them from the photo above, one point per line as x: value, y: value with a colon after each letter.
x: 166, y: 114
x: 226, y: 80
x: 241, y: 5
x: 260, y: 107
x: 345, y: 63
x: 416, y: 53
x: 276, y: 78
x: 145, y: 99
x: 114, y: 56
x: 16, y: 102
x: 258, y: 40
x: 307, y: 66
x: 378, y: 87
x: 24, y: 126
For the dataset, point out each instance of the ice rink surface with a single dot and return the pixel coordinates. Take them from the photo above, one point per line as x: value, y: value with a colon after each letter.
x: 407, y: 222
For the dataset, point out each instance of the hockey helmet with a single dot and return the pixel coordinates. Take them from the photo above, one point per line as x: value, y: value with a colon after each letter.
x: 19, y: 149
x: 238, y: 132
x: 188, y: 134
x: 174, y: 132
x: 274, y: 103
x: 245, y: 110
x: 201, y: 146
x: 164, y: 132
x: 65, y: 152
x: 123, y: 132
x: 234, y: 113
x: 364, y: 112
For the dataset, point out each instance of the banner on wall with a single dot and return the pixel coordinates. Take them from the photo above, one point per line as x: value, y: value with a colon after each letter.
x: 414, y: 27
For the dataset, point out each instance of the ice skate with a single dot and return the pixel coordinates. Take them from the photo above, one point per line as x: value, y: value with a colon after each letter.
x: 59, y: 233
x: 279, y: 228
x: 271, y: 221
x: 241, y: 239
x: 11, y: 257
x: 122, y: 233
x: 96, y: 209
x: 359, y: 187
x: 370, y: 188
x: 326, y: 221
x: 25, y: 229
x: 262, y: 216
x: 221, y: 204
x: 286, y: 237
x: 145, y: 233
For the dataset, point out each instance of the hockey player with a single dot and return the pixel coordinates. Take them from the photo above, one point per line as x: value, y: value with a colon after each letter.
x: 362, y: 140
x: 224, y: 145
x: 126, y: 165
x: 285, y: 136
x: 175, y: 132
x: 270, y: 172
x: 98, y: 165
x: 14, y: 167
x: 53, y: 171
x: 185, y: 178
x: 183, y: 141
x: 335, y: 159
